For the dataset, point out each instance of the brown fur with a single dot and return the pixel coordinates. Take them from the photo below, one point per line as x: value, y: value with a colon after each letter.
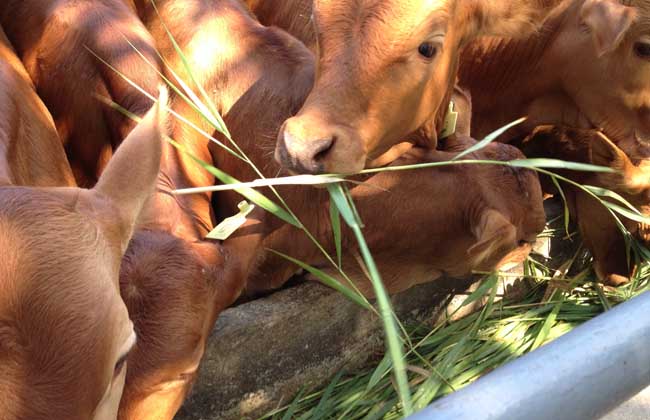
x: 579, y: 71
x: 30, y: 149
x: 369, y: 68
x: 545, y: 76
x: 294, y: 16
x: 68, y: 77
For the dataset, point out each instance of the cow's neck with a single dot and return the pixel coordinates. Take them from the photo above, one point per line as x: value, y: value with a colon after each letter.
x: 505, y: 76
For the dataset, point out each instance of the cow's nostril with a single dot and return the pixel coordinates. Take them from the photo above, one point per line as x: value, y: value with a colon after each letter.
x: 323, y: 147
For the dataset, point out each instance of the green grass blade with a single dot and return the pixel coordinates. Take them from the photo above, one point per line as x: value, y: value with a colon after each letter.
x: 381, y: 370
x: 211, y: 110
x: 481, y: 291
x: 340, y: 200
x: 328, y: 280
x: 635, y: 216
x: 393, y: 340
x: 558, y: 164
x: 546, y: 327
x: 335, y: 220
x: 602, y: 192
x: 294, y: 406
x: 320, y: 412
x: 489, y: 139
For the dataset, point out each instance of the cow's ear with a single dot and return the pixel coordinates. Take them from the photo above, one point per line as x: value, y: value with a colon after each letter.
x: 130, y: 177
x: 608, y: 22
x: 495, y: 237
x: 512, y: 18
x: 628, y: 177
x: 603, y: 152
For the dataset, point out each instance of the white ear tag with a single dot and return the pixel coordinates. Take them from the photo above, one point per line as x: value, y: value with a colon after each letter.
x: 232, y: 223
x: 451, y: 119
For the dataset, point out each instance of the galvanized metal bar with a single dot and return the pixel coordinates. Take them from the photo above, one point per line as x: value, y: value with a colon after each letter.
x: 580, y: 376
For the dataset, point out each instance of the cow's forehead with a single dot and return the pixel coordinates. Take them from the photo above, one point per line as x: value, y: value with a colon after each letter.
x: 387, y: 11
x: 387, y: 23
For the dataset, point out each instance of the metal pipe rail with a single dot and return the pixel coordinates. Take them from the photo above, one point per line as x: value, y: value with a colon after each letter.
x: 581, y: 376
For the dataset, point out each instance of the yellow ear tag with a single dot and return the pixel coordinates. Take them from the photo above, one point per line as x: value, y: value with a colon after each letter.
x: 451, y: 119
x: 232, y: 223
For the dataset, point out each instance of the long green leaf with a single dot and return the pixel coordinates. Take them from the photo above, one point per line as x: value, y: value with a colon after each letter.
x: 320, y: 412
x: 335, y: 220
x: 489, y: 139
x: 558, y: 164
x: 393, y: 341
x: 481, y: 291
x: 626, y: 213
x: 328, y: 280
x: 602, y: 192
x: 211, y: 110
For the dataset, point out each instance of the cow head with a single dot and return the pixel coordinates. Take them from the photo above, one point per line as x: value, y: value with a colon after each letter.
x: 613, y: 90
x: 65, y: 333
x: 174, y: 291
x: 385, y: 72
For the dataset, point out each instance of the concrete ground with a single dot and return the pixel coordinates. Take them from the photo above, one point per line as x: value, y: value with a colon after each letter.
x: 638, y: 408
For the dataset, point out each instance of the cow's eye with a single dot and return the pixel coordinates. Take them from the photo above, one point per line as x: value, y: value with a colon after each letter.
x: 642, y: 49
x: 428, y: 50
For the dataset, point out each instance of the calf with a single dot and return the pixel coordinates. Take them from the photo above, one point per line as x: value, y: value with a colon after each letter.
x: 65, y: 331
x: 418, y: 225
x: 56, y: 40
x: 601, y: 234
x: 588, y: 67
x: 175, y: 284
x: 386, y: 69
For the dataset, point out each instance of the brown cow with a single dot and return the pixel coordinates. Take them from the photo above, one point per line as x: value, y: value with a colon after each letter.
x: 174, y: 285
x: 259, y: 76
x: 174, y: 282
x: 420, y: 227
x: 173, y: 293
x: 65, y: 331
x: 385, y: 73
x: 597, y: 226
x: 588, y: 67
x: 54, y: 39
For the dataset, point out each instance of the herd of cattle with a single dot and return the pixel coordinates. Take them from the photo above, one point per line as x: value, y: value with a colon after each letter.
x: 108, y: 287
